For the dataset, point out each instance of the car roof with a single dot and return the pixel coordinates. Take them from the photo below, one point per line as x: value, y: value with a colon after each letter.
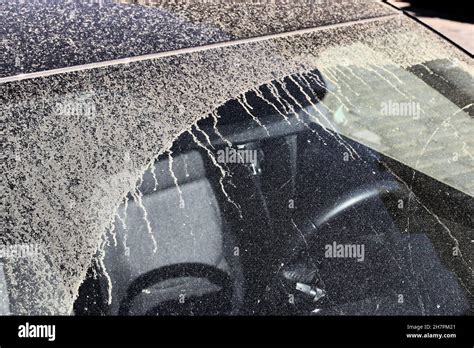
x: 42, y: 35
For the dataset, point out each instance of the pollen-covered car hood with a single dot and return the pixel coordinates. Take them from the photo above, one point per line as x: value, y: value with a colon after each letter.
x: 143, y: 75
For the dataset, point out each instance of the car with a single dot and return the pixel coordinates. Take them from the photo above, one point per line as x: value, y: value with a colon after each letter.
x: 194, y: 159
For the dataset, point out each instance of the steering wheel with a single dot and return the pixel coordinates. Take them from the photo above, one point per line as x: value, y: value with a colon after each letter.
x: 213, y: 303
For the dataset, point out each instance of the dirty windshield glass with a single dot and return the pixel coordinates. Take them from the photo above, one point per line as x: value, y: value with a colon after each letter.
x: 328, y: 172
x: 345, y: 190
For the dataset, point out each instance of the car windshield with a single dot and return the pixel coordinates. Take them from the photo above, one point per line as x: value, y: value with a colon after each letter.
x: 328, y: 172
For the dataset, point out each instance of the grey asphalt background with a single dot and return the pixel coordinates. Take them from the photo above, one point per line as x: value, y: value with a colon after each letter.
x: 452, y: 19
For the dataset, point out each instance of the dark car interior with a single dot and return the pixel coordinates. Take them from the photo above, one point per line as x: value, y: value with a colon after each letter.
x: 202, y: 237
